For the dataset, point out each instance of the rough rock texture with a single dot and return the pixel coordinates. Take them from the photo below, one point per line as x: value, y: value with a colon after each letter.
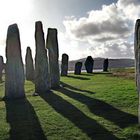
x: 14, y: 80
x: 105, y: 65
x: 64, y: 65
x: 52, y: 46
x: 1, y: 67
x: 137, y: 60
x: 42, y: 82
x: 89, y: 64
x: 78, y: 67
x: 29, y: 65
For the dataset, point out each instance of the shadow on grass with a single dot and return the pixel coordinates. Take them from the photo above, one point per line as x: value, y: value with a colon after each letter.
x: 105, y: 73
x: 1, y: 82
x: 102, y: 109
x: 87, y: 74
x: 73, y: 88
x: 87, y: 125
x: 78, y: 77
x: 95, y: 73
x: 24, y: 123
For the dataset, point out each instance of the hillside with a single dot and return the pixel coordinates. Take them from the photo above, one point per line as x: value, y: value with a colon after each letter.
x: 98, y: 63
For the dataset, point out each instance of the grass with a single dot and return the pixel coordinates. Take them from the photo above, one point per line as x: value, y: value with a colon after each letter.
x: 88, y: 106
x: 128, y: 73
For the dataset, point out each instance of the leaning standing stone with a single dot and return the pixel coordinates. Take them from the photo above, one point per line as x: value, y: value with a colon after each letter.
x: 14, y: 80
x: 78, y: 67
x: 29, y: 65
x: 52, y: 46
x: 42, y: 82
x: 137, y: 60
x: 105, y: 65
x: 64, y: 65
x: 1, y: 67
x: 89, y: 64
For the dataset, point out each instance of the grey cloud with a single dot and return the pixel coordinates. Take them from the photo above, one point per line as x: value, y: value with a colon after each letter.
x: 115, y: 50
x: 112, y: 24
x: 103, y: 39
x: 128, y: 2
x: 117, y: 27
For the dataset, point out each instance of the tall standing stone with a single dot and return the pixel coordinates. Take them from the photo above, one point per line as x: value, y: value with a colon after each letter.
x: 29, y: 65
x: 137, y: 60
x: 89, y: 64
x: 1, y: 67
x: 14, y: 80
x: 64, y: 65
x: 78, y: 67
x: 105, y: 65
x: 42, y: 82
x: 52, y: 46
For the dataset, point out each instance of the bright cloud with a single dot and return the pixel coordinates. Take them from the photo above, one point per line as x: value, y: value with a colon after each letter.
x: 107, y: 31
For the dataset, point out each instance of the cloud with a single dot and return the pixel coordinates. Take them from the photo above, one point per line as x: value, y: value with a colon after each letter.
x: 121, y: 50
x: 108, y: 23
x: 113, y: 25
x: 73, y: 48
x: 125, y: 3
x: 130, y: 8
x: 112, y: 50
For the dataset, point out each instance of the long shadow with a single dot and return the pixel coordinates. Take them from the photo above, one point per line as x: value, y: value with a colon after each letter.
x: 74, y: 88
x: 102, y: 109
x: 104, y: 73
x: 96, y: 73
x: 24, y: 124
x: 87, y: 125
x: 78, y: 77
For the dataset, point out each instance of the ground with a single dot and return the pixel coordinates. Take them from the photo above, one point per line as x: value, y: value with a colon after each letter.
x: 99, y: 106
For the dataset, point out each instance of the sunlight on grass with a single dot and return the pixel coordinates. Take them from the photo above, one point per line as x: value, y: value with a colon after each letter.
x: 88, y: 106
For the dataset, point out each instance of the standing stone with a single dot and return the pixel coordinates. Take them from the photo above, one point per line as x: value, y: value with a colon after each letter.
x: 52, y: 46
x: 78, y: 67
x: 14, y: 80
x: 4, y: 67
x: 42, y: 82
x: 137, y: 60
x: 1, y: 67
x: 105, y: 65
x: 64, y: 65
x: 29, y: 65
x: 89, y: 64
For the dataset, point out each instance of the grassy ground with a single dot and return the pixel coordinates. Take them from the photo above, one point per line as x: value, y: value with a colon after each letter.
x: 89, y: 106
x: 128, y: 73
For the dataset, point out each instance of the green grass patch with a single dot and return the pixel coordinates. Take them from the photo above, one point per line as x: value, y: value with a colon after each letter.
x: 85, y: 107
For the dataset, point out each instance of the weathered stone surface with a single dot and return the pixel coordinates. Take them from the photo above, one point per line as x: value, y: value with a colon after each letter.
x: 89, y: 64
x: 52, y: 46
x: 29, y: 65
x: 64, y: 65
x: 137, y: 60
x: 14, y: 80
x: 78, y: 67
x: 42, y: 80
x: 4, y: 67
x: 105, y: 65
x: 1, y: 67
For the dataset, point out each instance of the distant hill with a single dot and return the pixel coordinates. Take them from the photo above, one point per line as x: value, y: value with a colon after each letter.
x: 98, y: 63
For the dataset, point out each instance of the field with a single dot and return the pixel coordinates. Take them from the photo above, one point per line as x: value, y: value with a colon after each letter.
x: 99, y: 106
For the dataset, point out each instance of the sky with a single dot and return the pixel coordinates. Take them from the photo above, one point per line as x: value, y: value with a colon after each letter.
x: 100, y: 28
